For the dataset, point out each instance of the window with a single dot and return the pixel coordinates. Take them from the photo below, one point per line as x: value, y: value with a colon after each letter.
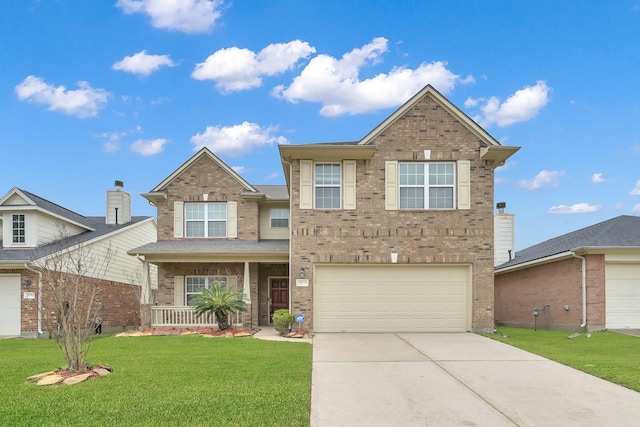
x: 195, y: 284
x: 327, y: 184
x: 279, y: 218
x: 18, y: 227
x: 426, y: 185
x: 206, y: 219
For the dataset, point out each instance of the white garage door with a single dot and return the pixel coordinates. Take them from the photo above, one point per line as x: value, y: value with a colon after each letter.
x: 623, y: 296
x: 9, y: 305
x: 391, y: 298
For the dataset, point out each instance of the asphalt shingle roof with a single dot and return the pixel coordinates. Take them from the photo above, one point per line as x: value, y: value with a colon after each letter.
x: 57, y: 209
x: 619, y: 232
x: 278, y: 192
x: 98, y: 223
x: 212, y: 247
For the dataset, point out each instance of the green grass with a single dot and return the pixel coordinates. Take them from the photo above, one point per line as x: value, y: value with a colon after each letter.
x: 167, y: 380
x: 608, y: 355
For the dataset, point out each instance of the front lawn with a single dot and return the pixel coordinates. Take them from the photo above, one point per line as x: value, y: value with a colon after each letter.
x: 608, y: 355
x: 162, y: 380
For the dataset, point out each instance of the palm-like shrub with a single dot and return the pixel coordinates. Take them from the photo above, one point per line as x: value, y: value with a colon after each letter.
x: 221, y: 302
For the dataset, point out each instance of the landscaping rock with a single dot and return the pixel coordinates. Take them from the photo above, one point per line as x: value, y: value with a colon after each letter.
x: 77, y: 379
x: 50, y: 380
x: 208, y: 336
x: 290, y: 335
x: 228, y: 334
x: 101, y: 372
x: 34, y: 378
x: 242, y: 334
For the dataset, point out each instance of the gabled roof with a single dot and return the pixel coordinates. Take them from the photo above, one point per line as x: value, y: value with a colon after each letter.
x: 35, y: 202
x: 99, y: 229
x: 622, y: 232
x: 159, y: 190
x: 493, y: 149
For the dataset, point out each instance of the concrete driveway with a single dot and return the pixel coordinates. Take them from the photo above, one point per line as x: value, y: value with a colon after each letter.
x: 454, y: 380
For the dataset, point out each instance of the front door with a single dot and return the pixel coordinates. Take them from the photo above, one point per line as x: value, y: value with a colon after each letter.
x: 279, y: 295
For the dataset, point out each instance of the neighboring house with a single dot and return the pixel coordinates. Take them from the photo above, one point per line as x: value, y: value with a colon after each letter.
x: 589, y: 278
x: 31, y: 230
x: 393, y: 232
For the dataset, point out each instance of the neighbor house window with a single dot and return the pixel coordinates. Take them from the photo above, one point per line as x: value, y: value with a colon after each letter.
x: 195, y: 284
x: 206, y: 219
x: 327, y: 185
x: 426, y: 185
x: 279, y: 218
x: 18, y: 227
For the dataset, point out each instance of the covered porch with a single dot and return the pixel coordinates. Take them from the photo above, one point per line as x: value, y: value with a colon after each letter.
x: 259, y: 269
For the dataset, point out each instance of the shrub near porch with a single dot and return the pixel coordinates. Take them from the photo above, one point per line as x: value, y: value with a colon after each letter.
x: 177, y: 380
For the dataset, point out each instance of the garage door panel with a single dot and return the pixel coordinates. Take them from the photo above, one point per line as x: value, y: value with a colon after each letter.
x: 622, y: 296
x: 9, y: 305
x: 391, y: 298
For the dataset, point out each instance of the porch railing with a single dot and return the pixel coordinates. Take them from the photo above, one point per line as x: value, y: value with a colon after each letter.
x: 170, y: 315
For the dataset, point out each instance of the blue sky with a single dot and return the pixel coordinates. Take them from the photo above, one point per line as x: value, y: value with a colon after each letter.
x: 97, y: 91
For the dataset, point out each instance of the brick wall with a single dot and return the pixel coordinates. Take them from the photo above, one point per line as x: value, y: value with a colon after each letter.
x: 552, y: 286
x: 118, y: 304
x: 369, y: 233
x: 207, y: 177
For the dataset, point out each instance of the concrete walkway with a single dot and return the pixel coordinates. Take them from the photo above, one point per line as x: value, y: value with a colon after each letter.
x: 455, y: 380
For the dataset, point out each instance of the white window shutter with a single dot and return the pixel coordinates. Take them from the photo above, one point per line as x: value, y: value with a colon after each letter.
x: 349, y: 184
x: 464, y: 184
x: 232, y: 220
x: 178, y: 290
x: 391, y: 185
x: 306, y: 184
x: 178, y: 220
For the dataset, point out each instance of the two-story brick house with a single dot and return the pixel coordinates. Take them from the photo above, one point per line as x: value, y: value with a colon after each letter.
x: 390, y: 233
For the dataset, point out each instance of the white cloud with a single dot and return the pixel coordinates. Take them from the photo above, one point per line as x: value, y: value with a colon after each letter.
x: 542, y: 179
x: 597, y: 178
x: 235, y: 69
x: 522, y: 106
x: 83, y: 102
x: 239, y: 169
x: 142, y: 63
x: 149, y: 147
x: 636, y: 189
x: 237, y: 139
x: 188, y: 16
x: 578, y: 208
x: 271, y: 176
x: 636, y: 208
x: 336, y: 83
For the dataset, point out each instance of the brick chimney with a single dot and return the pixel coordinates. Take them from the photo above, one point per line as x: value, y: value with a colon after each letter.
x: 118, y: 205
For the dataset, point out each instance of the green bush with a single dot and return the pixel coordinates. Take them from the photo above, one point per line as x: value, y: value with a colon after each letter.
x: 282, y: 319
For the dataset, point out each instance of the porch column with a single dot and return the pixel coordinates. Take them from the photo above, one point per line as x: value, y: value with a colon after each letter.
x: 246, y: 287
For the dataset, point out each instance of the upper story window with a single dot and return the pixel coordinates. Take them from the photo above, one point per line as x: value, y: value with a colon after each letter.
x: 206, y: 219
x: 279, y: 218
x: 18, y: 228
x: 195, y: 284
x: 427, y: 185
x: 327, y: 185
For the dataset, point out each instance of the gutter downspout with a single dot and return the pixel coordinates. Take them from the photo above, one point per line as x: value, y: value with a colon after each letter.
x: 584, y: 287
x: 289, y: 186
x: 39, y: 273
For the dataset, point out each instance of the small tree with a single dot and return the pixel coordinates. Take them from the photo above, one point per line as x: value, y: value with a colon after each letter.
x: 70, y: 276
x: 221, y: 302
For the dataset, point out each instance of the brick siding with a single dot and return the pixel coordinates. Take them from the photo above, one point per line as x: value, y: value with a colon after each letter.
x: 369, y: 233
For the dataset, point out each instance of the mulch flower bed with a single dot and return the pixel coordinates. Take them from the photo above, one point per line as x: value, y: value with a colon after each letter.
x: 203, y: 331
